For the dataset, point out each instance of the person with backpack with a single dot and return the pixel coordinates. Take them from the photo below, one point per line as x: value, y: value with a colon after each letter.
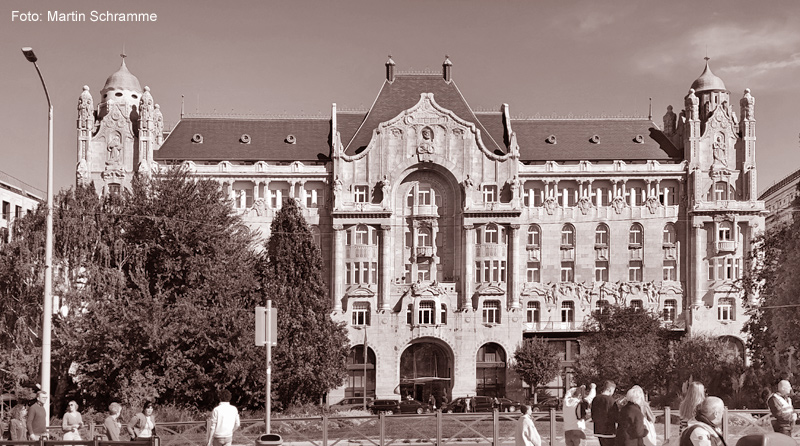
x: 704, y: 429
x: 577, y: 403
x: 604, y: 414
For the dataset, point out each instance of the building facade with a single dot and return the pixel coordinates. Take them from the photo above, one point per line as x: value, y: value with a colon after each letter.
x: 449, y: 236
x: 16, y: 199
x: 779, y: 199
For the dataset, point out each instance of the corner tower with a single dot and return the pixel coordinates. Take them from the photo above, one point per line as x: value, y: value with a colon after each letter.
x: 117, y: 139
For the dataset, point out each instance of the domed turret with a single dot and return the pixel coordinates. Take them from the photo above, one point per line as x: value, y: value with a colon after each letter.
x: 708, y: 81
x: 122, y: 87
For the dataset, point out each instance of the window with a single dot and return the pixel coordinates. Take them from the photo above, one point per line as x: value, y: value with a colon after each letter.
x: 724, y: 268
x: 361, y: 194
x: 725, y: 307
x: 443, y: 317
x: 491, y: 312
x: 667, y: 196
x: 669, y: 234
x: 603, y: 195
x: 362, y: 235
x: 490, y: 193
x: 725, y: 231
x: 601, y: 235
x: 602, y: 305
x: 567, y: 272
x: 424, y: 272
x: 636, y: 234
x: 720, y: 191
x: 534, y: 235
x: 533, y: 197
x: 277, y: 196
x: 314, y: 197
x: 670, y: 309
x: 635, y: 271
x: 424, y: 195
x: 637, y: 304
x: 17, y: 211
x: 348, y: 273
x: 601, y: 271
x: 410, y: 314
x: 424, y: 237
x: 670, y: 270
x: 533, y: 312
x: 532, y: 273
x: 361, y: 313
x: 113, y: 189
x: 490, y: 234
x: 568, y: 311
x: 426, y: 313
x: 6, y: 210
x: 637, y: 196
x: 570, y: 196
x: 568, y: 235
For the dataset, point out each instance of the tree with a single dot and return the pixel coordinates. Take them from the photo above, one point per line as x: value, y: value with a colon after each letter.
x: 536, y: 362
x: 623, y: 344
x: 707, y: 360
x: 312, y: 350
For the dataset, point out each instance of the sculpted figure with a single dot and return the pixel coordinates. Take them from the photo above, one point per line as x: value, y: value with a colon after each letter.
x: 114, y: 150
x: 669, y: 121
x: 720, y: 150
x: 692, y: 104
x: 467, y: 185
x: 337, y: 190
x: 85, y: 109
x: 747, y: 104
x: 426, y: 146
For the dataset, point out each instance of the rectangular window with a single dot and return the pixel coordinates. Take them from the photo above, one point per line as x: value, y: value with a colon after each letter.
x: 495, y: 271
x: 443, y: 317
x: 533, y: 197
x: 710, y: 264
x: 373, y: 270
x: 491, y: 312
x: 361, y: 313
x: 670, y: 270
x: 568, y: 311
x: 17, y: 211
x: 567, y: 271
x: 478, y: 275
x: 361, y: 194
x: 637, y: 196
x: 424, y: 196
x: 348, y: 272
x: 407, y: 273
x: 487, y: 271
x: 601, y: 271
x: 365, y: 272
x: 669, y: 310
x: 6, y: 210
x: 635, y: 271
x: 570, y: 197
x: 533, y: 312
x: 356, y: 272
x: 725, y: 309
x: 533, y: 273
x: 490, y: 193
x: 314, y: 198
x: 603, y: 196
x: 424, y: 272
x: 425, y: 315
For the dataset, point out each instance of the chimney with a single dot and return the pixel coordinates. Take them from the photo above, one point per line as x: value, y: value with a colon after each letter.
x: 446, y: 65
x: 390, y: 69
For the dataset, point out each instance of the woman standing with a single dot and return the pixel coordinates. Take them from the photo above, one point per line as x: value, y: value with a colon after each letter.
x: 17, y: 429
x: 143, y: 424
x: 630, y: 421
x: 112, y: 423
x: 694, y: 395
x: 72, y: 422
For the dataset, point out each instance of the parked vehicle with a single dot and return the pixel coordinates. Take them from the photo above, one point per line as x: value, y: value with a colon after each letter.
x: 508, y: 405
x: 399, y: 406
x: 353, y: 403
x: 545, y: 404
x: 481, y: 404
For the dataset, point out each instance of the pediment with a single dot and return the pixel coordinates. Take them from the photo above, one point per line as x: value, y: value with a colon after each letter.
x: 361, y: 292
x: 490, y: 290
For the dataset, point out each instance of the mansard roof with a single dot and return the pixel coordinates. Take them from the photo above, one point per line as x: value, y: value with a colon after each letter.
x: 223, y: 139
x: 402, y: 94
x: 602, y: 139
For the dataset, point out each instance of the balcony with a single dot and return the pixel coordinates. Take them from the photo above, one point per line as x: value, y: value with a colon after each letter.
x: 490, y: 250
x: 726, y: 246
x: 424, y: 251
x: 361, y: 251
x: 551, y: 326
x: 422, y: 210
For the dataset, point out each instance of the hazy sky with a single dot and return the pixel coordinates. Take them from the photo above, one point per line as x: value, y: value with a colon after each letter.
x: 299, y: 56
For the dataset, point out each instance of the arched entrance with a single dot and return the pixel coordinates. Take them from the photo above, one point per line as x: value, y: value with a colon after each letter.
x: 426, y: 368
x: 360, y: 373
x: 491, y: 370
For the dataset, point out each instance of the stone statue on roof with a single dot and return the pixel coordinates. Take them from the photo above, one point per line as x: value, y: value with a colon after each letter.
x: 669, y: 122
x: 747, y: 104
x: 692, y: 104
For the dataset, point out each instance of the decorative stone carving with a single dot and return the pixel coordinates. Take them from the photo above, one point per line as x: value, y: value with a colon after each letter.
x: 114, y: 149
x: 146, y: 109
x: 584, y: 204
x: 467, y: 185
x: 85, y: 109
x: 337, y: 187
x: 516, y: 187
x: 619, y: 204
x: 609, y: 290
x: 692, y: 104
x: 386, y: 188
x: 260, y: 207
x: 82, y: 171
x: 426, y: 147
x: 669, y: 122
x: 720, y: 150
x: 550, y: 205
x: 158, y: 124
x: 747, y: 104
x: 652, y: 204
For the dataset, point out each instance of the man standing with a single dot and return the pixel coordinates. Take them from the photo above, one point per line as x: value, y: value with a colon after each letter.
x: 703, y: 430
x: 574, y: 421
x: 37, y: 417
x: 526, y: 433
x: 604, y: 414
x: 224, y: 420
x: 780, y: 404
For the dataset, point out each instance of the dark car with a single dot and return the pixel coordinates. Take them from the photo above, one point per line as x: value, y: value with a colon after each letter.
x: 481, y: 404
x: 399, y: 406
x: 508, y: 405
x: 351, y: 403
x: 545, y: 404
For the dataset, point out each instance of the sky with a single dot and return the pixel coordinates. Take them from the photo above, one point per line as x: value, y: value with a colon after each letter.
x: 297, y: 57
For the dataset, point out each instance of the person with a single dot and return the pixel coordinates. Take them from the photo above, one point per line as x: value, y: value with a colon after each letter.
x: 72, y: 422
x: 467, y: 404
x: 694, y: 395
x: 143, y: 424
x: 17, y: 427
x: 630, y: 420
x: 604, y: 414
x: 780, y: 405
x: 432, y: 401
x: 111, y: 423
x: 526, y: 433
x: 576, y: 400
x: 703, y: 430
x: 37, y: 417
x: 224, y: 421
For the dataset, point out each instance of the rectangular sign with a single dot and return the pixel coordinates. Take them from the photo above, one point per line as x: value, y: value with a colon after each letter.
x: 266, y: 326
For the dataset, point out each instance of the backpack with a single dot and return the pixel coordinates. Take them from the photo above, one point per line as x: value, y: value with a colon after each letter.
x: 583, y: 411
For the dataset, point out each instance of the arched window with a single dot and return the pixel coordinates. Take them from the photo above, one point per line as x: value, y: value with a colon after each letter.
x: 670, y: 237
x: 568, y: 235
x: 670, y: 310
x: 534, y: 235
x: 725, y: 231
x: 356, y: 380
x: 490, y: 370
x: 533, y: 312
x: 424, y: 237
x: 601, y: 235
x: 636, y: 234
x: 362, y: 235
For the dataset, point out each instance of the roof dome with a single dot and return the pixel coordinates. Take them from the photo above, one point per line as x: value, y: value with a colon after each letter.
x: 708, y: 81
x: 122, y: 80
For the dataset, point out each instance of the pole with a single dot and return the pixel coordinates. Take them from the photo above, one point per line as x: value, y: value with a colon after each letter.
x: 269, y: 363
x: 365, y: 367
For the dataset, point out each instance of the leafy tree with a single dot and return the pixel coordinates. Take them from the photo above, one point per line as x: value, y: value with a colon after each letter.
x: 312, y: 350
x: 536, y: 362
x: 623, y: 344
x: 709, y: 361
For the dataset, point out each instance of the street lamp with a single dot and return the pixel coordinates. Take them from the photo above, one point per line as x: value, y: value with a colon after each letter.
x: 48, y: 250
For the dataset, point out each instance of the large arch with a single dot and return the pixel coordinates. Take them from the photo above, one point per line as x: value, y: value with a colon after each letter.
x: 490, y: 370
x: 426, y: 368
x: 360, y: 374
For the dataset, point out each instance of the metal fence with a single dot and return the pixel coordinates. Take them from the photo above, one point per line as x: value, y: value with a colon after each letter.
x: 435, y: 429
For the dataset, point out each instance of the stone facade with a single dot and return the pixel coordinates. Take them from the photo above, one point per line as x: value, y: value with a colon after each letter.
x: 449, y: 235
x: 779, y: 199
x: 16, y: 199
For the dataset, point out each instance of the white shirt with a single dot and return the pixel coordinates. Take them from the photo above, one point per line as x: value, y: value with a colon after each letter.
x: 571, y: 421
x: 224, y: 420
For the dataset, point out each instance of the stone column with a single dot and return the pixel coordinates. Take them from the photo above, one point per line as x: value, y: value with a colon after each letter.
x: 337, y: 267
x: 386, y: 267
x: 699, y: 271
x: 513, y: 268
x: 469, y: 267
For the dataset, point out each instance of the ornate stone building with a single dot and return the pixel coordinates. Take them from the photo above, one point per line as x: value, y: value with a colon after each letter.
x: 450, y: 235
x: 779, y: 199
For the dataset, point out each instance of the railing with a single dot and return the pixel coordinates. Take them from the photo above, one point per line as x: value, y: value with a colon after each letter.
x: 435, y: 429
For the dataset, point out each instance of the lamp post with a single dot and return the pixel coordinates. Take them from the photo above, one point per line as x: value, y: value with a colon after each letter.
x: 48, y: 250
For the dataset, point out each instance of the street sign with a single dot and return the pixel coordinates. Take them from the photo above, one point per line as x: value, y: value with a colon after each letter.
x: 266, y: 319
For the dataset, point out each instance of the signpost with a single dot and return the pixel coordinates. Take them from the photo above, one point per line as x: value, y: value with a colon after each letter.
x: 267, y: 334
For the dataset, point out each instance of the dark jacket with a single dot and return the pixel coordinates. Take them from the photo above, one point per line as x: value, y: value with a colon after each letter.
x: 37, y: 419
x: 604, y: 415
x: 630, y: 426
